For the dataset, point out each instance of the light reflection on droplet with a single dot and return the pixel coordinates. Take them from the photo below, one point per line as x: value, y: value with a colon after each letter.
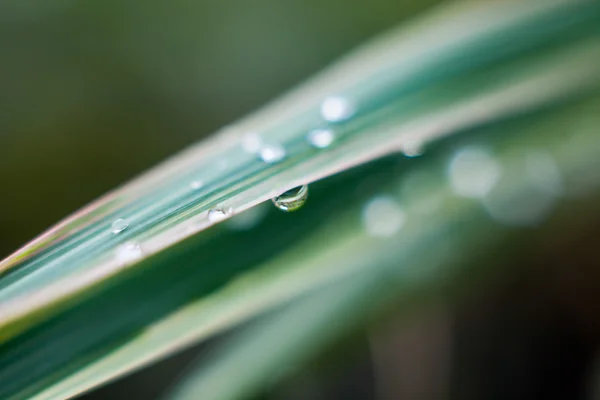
x: 383, y: 217
x: 195, y: 185
x: 251, y: 143
x: 218, y: 214
x: 272, y: 153
x: 337, y: 109
x: 413, y: 148
x: 321, y: 138
x: 119, y: 225
x: 473, y: 172
x: 128, y: 252
x: 292, y: 200
x: 248, y: 219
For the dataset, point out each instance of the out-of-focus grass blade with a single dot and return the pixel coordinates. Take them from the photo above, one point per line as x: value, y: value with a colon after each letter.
x: 82, y: 293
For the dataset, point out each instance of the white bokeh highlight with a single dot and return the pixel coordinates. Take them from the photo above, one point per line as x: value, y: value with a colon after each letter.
x: 383, y: 217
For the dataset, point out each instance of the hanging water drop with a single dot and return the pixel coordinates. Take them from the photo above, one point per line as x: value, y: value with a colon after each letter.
x: 272, y: 153
x: 337, y: 109
x: 321, y: 138
x: 217, y: 214
x: 292, y: 199
x: 119, y: 225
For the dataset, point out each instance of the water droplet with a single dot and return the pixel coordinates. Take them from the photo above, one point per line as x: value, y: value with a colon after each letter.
x: 320, y: 138
x: 473, y: 172
x: 383, y: 217
x: 251, y: 143
x: 119, y: 225
x: 413, y: 148
x: 336, y: 109
x: 195, y: 185
x: 128, y: 252
x: 292, y: 199
x: 272, y: 153
x: 218, y: 214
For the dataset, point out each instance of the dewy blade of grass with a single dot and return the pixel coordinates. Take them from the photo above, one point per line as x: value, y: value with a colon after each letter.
x: 422, y: 99
x: 342, y: 253
x: 569, y: 72
x: 412, y: 59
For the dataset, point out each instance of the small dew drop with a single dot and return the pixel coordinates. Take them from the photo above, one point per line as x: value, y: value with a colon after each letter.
x: 251, y: 143
x: 195, y: 185
x: 272, y: 153
x: 321, y: 138
x: 337, y: 109
x: 218, y: 214
x: 473, y: 172
x: 128, y: 252
x: 119, y: 225
x: 413, y: 148
x: 292, y: 200
x: 383, y: 217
